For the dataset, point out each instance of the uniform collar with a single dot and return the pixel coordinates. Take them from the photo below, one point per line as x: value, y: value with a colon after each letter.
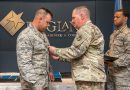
x: 86, y: 23
x: 89, y: 21
x: 121, y: 28
x: 35, y: 30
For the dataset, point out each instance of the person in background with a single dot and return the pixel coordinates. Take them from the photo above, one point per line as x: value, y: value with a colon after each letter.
x: 32, y: 53
x: 86, y: 52
x: 119, y: 47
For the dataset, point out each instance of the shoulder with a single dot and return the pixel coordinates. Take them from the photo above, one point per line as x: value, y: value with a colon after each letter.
x: 90, y: 27
x: 126, y: 31
x: 126, y: 34
x: 95, y: 31
x: 24, y: 34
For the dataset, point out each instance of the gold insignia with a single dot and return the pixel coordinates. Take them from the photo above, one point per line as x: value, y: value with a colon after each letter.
x: 12, y: 22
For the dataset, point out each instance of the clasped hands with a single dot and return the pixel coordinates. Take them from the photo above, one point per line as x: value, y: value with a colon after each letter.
x: 52, y: 51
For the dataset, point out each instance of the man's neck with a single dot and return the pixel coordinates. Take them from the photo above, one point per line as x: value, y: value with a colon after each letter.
x: 119, y: 27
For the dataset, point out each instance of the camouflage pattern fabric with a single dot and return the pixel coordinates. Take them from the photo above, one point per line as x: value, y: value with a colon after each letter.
x: 90, y: 85
x: 119, y: 72
x: 86, y: 54
x: 33, y: 56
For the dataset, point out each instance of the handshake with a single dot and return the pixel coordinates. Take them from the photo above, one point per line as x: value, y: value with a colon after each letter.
x: 52, y: 52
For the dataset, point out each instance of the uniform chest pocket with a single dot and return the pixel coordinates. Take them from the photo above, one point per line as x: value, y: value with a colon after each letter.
x: 39, y: 47
x: 78, y: 41
x: 119, y: 41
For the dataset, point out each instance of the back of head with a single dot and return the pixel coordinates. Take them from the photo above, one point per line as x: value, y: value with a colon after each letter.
x: 83, y: 10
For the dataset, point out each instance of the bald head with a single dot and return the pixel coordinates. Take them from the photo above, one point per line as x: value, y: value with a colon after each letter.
x: 80, y: 16
x: 82, y: 10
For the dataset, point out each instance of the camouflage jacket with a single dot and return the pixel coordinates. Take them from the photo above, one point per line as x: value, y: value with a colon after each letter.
x: 32, y: 55
x: 86, y: 54
x: 120, y: 48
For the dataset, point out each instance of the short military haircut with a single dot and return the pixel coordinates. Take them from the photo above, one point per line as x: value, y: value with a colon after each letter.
x: 125, y: 12
x: 43, y: 11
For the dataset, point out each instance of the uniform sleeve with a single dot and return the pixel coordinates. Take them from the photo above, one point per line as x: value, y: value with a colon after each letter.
x: 78, y: 48
x: 24, y: 59
x: 124, y: 58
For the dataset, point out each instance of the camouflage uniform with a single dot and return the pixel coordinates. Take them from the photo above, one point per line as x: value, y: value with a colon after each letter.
x: 33, y: 58
x: 86, y: 56
x: 119, y: 72
x: 90, y: 85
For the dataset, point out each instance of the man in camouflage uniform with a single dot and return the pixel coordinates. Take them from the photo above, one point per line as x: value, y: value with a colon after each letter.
x: 119, y: 70
x: 85, y: 53
x: 32, y: 52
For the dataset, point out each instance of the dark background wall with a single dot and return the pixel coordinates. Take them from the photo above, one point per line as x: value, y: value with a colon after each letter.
x: 101, y: 15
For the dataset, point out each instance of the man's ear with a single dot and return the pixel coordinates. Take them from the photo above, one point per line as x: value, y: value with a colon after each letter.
x: 40, y: 19
x: 126, y: 18
x: 82, y: 16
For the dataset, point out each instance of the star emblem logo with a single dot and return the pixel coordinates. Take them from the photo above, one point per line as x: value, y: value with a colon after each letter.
x: 12, y: 22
